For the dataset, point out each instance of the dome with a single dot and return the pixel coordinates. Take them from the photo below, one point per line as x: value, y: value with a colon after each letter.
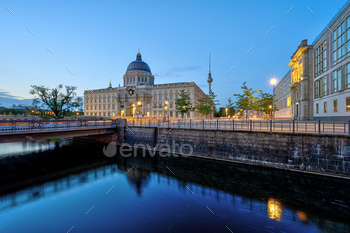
x: 138, y: 65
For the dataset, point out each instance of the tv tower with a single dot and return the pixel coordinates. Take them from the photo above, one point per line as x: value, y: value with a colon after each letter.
x: 210, y: 79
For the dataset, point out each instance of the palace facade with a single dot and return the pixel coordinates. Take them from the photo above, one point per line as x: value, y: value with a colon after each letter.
x: 139, y: 96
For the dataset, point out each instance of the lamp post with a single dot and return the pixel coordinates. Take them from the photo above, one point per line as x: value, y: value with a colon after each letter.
x: 166, y: 107
x: 273, y: 83
x: 226, y: 111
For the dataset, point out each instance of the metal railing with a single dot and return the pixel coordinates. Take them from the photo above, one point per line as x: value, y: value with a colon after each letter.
x: 315, y: 127
x: 8, y: 126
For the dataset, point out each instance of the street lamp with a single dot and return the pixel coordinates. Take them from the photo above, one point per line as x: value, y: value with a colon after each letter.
x: 273, y: 83
x: 166, y: 107
x: 226, y: 111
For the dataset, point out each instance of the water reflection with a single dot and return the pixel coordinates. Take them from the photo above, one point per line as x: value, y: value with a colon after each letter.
x: 274, y: 209
x: 244, y: 198
x: 25, y: 148
x: 302, y: 216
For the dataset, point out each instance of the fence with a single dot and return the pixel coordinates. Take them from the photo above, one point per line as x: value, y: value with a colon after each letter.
x: 315, y: 127
x: 7, y: 126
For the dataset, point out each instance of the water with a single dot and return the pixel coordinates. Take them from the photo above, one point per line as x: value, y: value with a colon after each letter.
x: 61, y: 186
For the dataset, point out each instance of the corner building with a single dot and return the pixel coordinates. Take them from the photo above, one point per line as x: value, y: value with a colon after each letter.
x: 332, y: 69
x: 139, y: 96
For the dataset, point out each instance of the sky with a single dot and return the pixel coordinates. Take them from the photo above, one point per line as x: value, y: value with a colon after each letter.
x: 88, y: 43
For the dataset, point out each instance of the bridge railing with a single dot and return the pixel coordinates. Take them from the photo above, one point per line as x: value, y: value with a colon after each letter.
x: 8, y: 126
x: 315, y: 127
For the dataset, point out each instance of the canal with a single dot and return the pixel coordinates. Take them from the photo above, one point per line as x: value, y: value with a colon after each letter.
x: 70, y: 186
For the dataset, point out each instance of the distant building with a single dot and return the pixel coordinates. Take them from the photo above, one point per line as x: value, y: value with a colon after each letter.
x: 19, y: 107
x: 139, y: 96
x: 283, y: 98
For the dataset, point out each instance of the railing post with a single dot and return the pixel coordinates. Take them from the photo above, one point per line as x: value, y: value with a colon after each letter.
x: 217, y: 124
x: 179, y: 123
x: 204, y: 127
x: 133, y: 122
x: 270, y: 126
x: 141, y: 122
x: 158, y: 123
x: 149, y: 122
x: 293, y: 126
x: 319, y: 126
x: 251, y: 125
x: 168, y: 123
x: 190, y: 123
x: 348, y: 128
x: 233, y: 124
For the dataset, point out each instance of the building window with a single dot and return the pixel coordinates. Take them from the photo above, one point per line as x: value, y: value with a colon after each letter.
x: 138, y: 79
x: 321, y: 58
x: 348, y: 104
x: 347, y: 81
x: 316, y: 108
x: 155, y: 98
x: 339, y: 44
x: 155, y: 105
x: 325, y: 107
x: 160, y: 105
x: 339, y: 79
x: 321, y: 87
x: 155, y: 114
x: 335, y: 105
x: 160, y: 97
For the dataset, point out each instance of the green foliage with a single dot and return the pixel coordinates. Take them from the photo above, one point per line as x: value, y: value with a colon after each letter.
x: 207, y: 104
x: 248, y: 100
x: 265, y: 103
x: 60, y: 102
x: 12, y: 112
x: 183, y: 103
x: 230, y: 107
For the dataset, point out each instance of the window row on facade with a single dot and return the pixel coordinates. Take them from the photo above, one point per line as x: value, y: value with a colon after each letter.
x: 340, y: 78
x: 334, y: 107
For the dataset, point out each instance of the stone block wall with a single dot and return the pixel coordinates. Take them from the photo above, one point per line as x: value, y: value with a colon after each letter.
x: 306, y: 152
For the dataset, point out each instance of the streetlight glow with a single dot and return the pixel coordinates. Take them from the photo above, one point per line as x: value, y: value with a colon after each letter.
x: 273, y: 81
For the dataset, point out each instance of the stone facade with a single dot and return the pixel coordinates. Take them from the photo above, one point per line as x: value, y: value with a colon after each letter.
x: 302, y: 82
x: 139, y: 96
x: 283, y: 98
x: 326, y: 154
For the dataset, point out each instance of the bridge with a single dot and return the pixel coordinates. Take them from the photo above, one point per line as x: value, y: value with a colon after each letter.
x: 33, y: 130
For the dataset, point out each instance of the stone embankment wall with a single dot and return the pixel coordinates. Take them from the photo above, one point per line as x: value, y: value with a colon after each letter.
x: 328, y: 154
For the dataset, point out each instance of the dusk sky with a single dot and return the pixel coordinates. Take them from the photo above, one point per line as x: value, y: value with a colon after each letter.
x: 88, y: 43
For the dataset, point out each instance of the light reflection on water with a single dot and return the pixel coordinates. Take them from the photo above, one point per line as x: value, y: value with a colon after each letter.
x: 134, y: 195
x: 23, y: 148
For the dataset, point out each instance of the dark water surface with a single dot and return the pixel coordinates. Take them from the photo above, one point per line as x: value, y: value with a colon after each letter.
x: 70, y: 186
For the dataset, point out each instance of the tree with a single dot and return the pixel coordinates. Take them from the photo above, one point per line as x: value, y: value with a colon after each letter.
x: 61, y: 103
x: 265, y: 103
x: 230, y: 107
x: 247, y: 100
x: 183, y: 103
x: 207, y: 104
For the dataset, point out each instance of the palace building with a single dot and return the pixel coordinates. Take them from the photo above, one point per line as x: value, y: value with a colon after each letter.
x: 139, y: 96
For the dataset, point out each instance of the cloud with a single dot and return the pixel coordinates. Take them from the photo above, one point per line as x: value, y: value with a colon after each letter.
x: 6, y: 94
x: 185, y: 68
x: 167, y: 75
x: 174, y: 72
